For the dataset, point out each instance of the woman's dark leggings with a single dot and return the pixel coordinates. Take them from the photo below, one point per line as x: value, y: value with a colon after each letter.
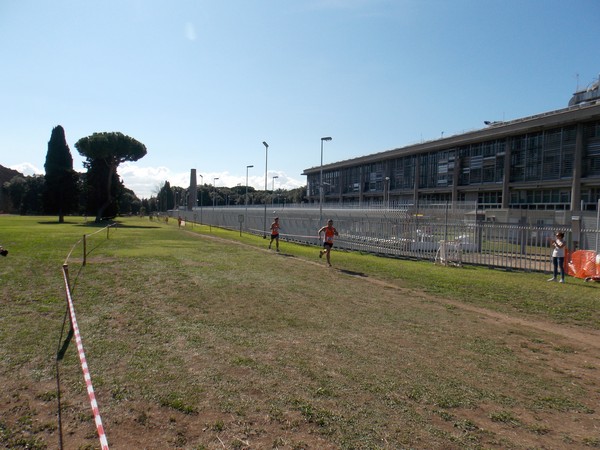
x: 559, y: 263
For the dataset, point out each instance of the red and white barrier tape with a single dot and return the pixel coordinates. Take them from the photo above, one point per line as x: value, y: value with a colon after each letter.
x: 84, y: 367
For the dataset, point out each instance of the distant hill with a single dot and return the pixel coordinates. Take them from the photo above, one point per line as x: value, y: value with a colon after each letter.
x: 7, y: 174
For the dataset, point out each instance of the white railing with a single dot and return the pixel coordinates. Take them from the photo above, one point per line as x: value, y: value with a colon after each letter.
x: 402, y: 233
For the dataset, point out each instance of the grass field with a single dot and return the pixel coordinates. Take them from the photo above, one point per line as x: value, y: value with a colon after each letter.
x: 199, y: 338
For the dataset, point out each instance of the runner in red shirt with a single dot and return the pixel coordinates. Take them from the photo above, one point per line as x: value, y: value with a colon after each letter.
x: 330, y: 232
x: 275, y: 233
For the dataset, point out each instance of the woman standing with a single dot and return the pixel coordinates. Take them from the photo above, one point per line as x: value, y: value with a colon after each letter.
x: 558, y: 257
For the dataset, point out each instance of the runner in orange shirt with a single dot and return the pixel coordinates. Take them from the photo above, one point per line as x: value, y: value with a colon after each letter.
x: 275, y: 233
x: 330, y: 232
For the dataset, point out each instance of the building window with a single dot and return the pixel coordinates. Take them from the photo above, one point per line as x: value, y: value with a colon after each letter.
x: 559, y: 199
x: 489, y: 200
x: 591, y: 150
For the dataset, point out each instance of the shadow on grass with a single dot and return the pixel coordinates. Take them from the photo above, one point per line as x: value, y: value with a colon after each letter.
x: 115, y: 225
x: 354, y: 274
x: 287, y: 255
x: 98, y: 224
x: 592, y: 284
x: 90, y: 224
x: 119, y: 225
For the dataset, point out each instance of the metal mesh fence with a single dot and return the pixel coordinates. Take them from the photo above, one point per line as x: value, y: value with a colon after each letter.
x: 405, y: 233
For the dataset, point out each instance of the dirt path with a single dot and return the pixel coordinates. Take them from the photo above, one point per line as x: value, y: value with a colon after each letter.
x: 587, y: 337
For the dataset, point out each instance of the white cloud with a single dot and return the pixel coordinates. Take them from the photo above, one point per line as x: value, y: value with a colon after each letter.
x: 27, y: 169
x: 144, y: 181
x: 147, y: 181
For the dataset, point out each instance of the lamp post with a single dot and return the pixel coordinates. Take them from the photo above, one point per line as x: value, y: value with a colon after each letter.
x: 201, y: 197
x: 246, y: 214
x: 328, y: 138
x: 273, y: 188
x: 215, y: 191
x: 265, y: 217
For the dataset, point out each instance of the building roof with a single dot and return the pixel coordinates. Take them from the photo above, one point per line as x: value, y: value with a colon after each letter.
x: 495, y: 130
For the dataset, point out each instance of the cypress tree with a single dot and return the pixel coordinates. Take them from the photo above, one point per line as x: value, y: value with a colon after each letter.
x: 61, y: 180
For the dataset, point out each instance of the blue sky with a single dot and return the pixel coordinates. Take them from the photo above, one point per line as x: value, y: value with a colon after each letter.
x: 203, y: 83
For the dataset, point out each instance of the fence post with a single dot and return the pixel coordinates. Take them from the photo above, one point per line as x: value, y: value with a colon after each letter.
x: 597, y: 223
x: 66, y: 272
x: 446, y: 222
x: 84, y: 250
x: 576, y: 231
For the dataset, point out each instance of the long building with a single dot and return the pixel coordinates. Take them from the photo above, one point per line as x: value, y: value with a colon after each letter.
x: 549, y: 161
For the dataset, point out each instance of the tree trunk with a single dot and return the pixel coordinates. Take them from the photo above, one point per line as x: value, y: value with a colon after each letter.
x: 100, y: 214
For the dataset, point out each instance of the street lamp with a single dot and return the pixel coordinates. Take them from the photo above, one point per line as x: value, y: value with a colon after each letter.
x: 214, y: 191
x: 273, y: 188
x: 265, y: 218
x: 201, y: 197
x: 246, y: 215
x: 328, y: 138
